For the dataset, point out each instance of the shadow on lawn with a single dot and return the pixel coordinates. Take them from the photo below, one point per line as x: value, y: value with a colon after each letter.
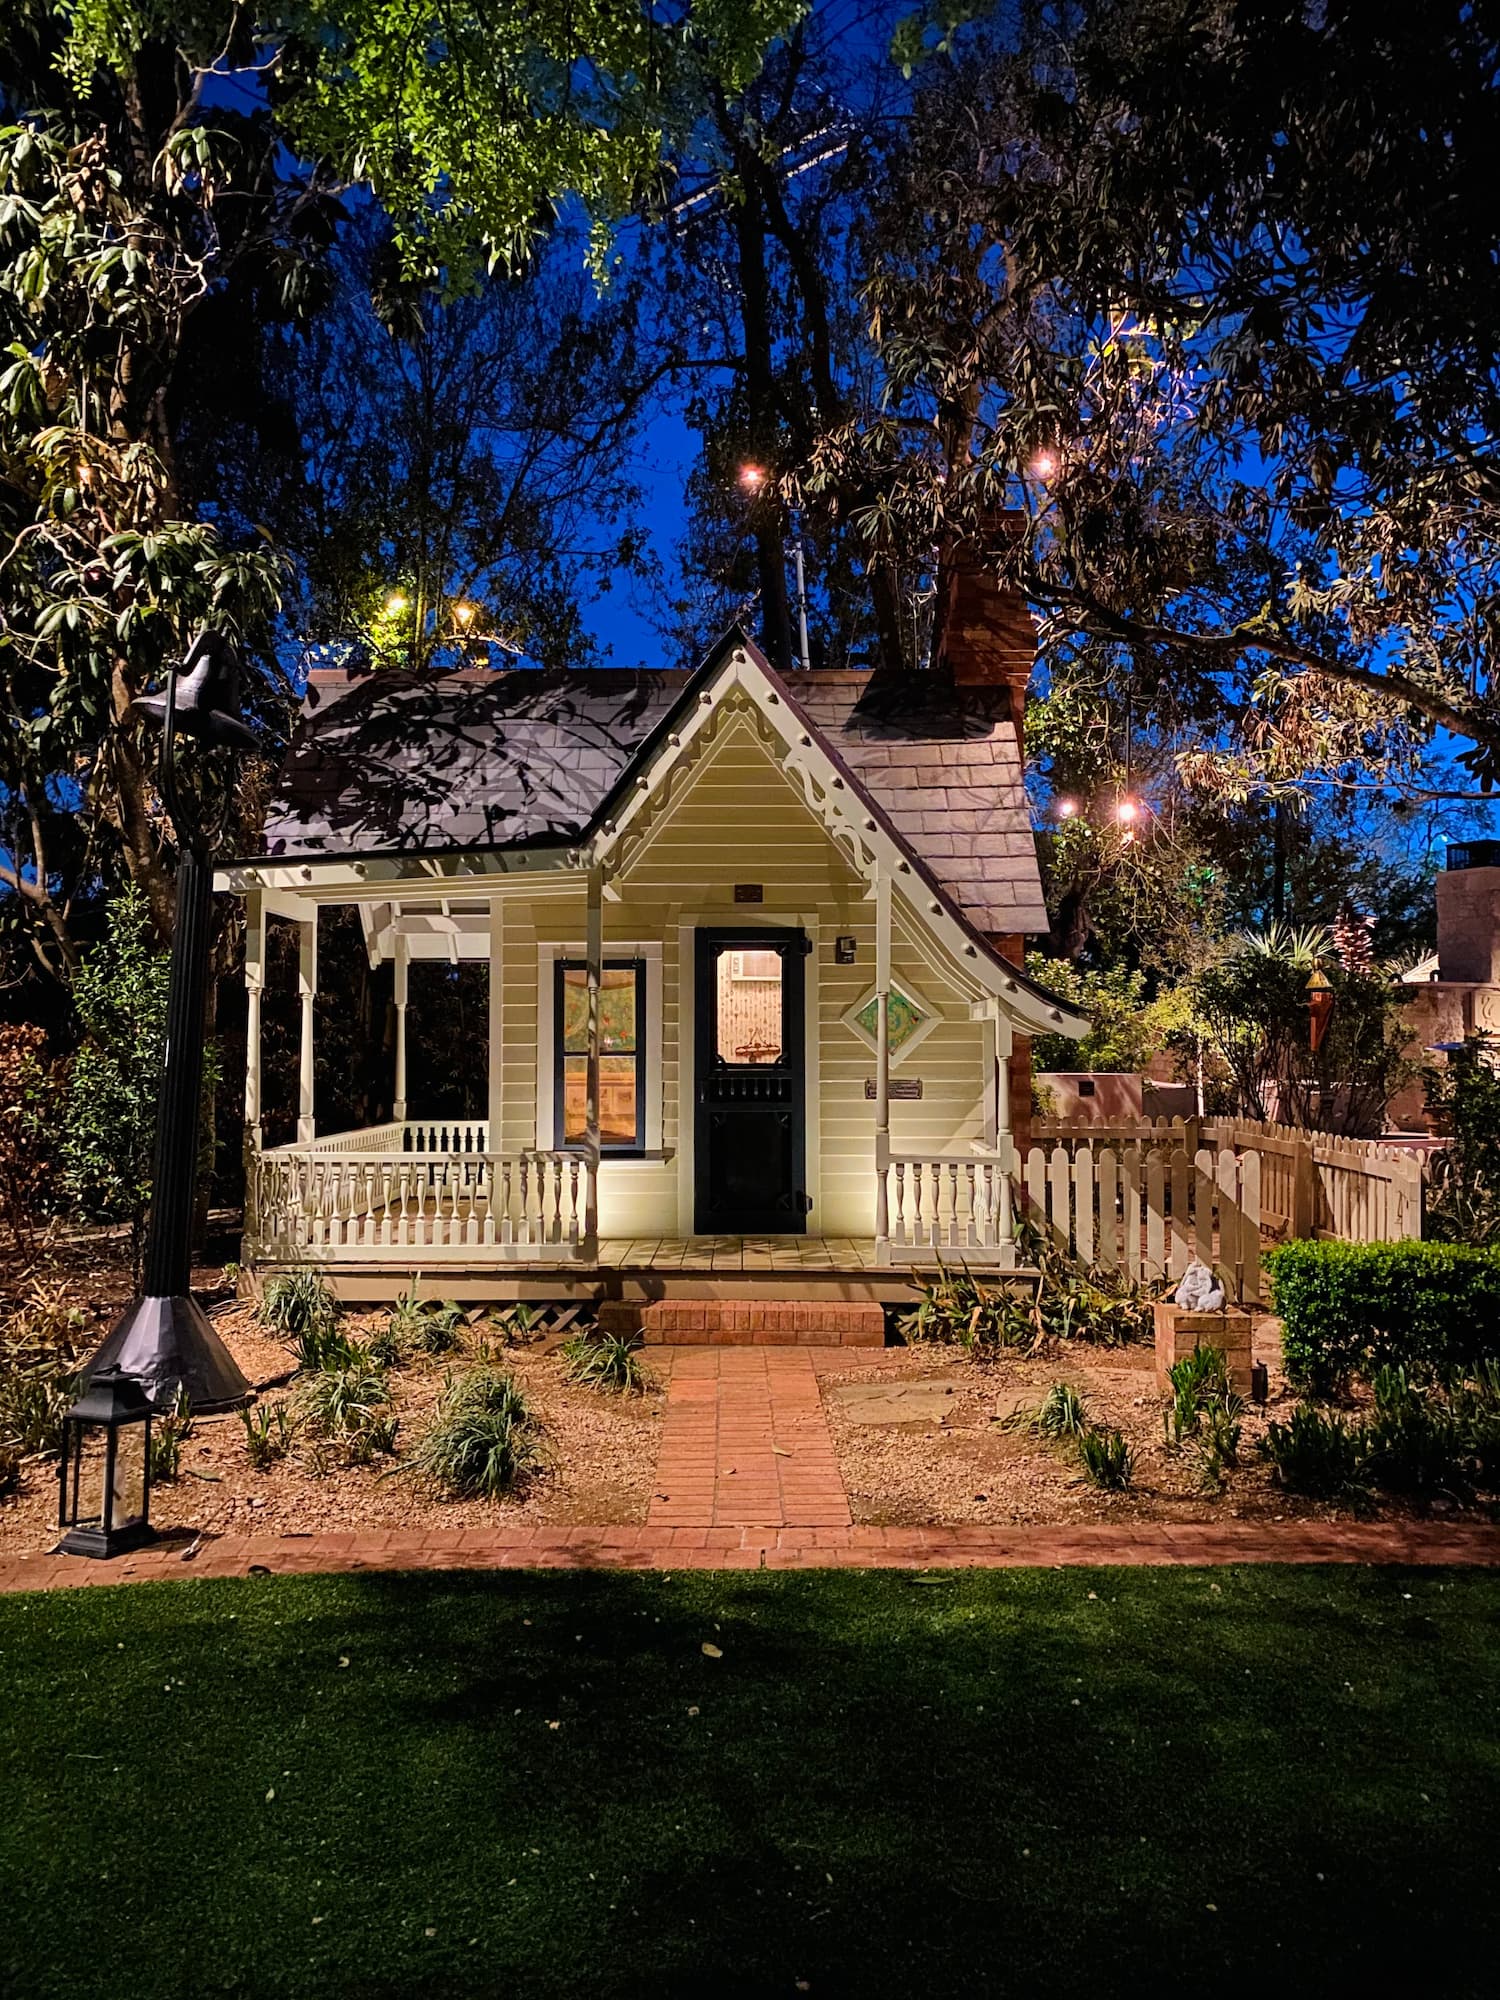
x: 1030, y: 1782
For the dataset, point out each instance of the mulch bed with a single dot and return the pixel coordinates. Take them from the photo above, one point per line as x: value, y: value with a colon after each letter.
x: 601, y: 1447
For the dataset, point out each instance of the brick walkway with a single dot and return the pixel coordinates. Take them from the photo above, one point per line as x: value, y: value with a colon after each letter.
x: 654, y: 1547
x: 744, y: 1444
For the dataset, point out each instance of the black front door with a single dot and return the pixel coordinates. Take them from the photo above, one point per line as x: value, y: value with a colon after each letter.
x: 749, y: 1131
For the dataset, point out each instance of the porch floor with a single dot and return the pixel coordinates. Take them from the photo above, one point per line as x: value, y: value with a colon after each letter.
x: 646, y: 1268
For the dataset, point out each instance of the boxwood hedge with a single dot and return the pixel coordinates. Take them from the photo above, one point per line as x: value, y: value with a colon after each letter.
x: 1347, y: 1308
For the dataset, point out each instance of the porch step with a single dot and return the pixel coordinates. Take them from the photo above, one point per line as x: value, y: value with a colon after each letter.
x: 747, y: 1322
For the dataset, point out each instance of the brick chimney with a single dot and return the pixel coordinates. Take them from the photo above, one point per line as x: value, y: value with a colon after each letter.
x: 987, y: 639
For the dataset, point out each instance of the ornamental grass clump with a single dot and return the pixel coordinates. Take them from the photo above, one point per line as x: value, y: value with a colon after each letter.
x: 1205, y: 1413
x: 1061, y: 1416
x: 347, y: 1406
x: 419, y: 1326
x: 1106, y: 1459
x: 269, y: 1435
x: 609, y: 1361
x: 485, y: 1441
x: 301, y: 1310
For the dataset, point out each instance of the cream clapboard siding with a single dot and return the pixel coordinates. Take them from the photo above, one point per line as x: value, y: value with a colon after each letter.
x: 738, y: 820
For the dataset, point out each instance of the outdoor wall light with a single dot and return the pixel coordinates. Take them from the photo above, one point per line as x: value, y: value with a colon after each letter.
x: 104, y: 1478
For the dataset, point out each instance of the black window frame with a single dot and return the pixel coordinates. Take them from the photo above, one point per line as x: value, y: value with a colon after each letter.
x: 560, y: 1053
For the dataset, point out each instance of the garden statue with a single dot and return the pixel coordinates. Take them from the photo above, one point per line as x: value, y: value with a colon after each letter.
x: 1199, y: 1290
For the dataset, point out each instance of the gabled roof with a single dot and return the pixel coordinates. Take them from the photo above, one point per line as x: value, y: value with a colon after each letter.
x: 395, y: 762
x: 401, y: 763
x: 944, y: 766
x: 397, y: 770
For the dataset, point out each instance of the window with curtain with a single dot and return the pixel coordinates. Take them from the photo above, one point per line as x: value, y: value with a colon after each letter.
x: 622, y: 1054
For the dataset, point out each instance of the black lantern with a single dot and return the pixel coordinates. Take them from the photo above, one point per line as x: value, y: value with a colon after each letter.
x: 104, y: 1481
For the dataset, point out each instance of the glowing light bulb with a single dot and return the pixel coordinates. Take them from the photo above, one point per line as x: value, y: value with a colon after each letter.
x: 752, y: 477
x: 396, y: 602
x: 1043, y: 465
x: 1127, y: 811
x: 1067, y: 808
x: 463, y: 613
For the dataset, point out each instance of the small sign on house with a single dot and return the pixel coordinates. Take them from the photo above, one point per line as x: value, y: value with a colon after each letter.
x: 749, y: 892
x: 909, y: 1087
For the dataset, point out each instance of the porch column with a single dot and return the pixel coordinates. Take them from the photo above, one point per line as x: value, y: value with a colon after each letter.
x: 402, y: 980
x: 494, y: 1107
x: 1004, y: 1141
x: 255, y: 980
x: 307, y: 989
x: 882, y: 1059
x: 594, y: 973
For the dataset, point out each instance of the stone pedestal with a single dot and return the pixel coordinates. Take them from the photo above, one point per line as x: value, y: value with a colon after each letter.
x: 1178, y: 1332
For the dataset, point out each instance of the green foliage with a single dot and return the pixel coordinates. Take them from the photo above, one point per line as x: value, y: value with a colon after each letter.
x: 28, y: 1117
x: 170, y: 1431
x: 346, y: 1404
x: 1106, y: 1459
x: 1348, y: 1309
x: 1253, y: 1006
x: 269, y: 1434
x: 520, y: 1322
x: 38, y: 1370
x: 606, y: 1361
x: 1061, y: 1415
x: 1463, y: 1200
x: 300, y: 1309
x: 957, y: 1310
x: 1114, y: 1000
x: 422, y: 1326
x: 108, y: 1111
x: 35, y: 1395
x: 1106, y: 1308
x: 1319, y: 1454
x: 1206, y: 1412
x: 484, y: 1441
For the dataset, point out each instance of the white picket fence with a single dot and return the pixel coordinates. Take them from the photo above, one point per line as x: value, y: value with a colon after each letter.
x: 1149, y: 1211
x: 1148, y: 1198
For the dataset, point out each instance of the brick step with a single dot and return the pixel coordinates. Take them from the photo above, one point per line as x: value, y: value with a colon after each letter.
x: 747, y: 1322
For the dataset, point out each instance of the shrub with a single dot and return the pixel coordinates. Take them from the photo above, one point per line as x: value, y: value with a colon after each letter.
x: 484, y: 1440
x: 1350, y: 1308
x: 10, y: 1471
x: 606, y: 1361
x: 108, y: 1110
x: 269, y: 1434
x: 1318, y: 1454
x: 1463, y: 1203
x: 27, y: 1124
x: 1253, y: 1007
x: 299, y: 1307
x: 170, y: 1430
x: 1106, y: 1459
x: 347, y: 1404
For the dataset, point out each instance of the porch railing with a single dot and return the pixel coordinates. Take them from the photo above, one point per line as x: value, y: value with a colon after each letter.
x: 949, y: 1202
x: 303, y: 1204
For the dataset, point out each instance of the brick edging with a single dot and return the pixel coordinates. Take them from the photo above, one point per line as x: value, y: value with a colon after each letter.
x: 858, y: 1547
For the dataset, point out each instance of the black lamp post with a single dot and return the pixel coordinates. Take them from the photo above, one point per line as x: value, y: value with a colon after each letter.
x: 165, y: 1340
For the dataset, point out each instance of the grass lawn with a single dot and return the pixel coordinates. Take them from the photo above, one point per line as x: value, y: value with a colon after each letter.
x: 1030, y: 1782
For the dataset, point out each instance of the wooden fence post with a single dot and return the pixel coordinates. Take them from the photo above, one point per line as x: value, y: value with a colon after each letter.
x: 1304, y: 1192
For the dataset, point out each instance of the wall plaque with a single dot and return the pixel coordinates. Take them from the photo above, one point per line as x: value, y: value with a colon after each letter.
x: 844, y: 949
x: 749, y: 892
x: 909, y: 1087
